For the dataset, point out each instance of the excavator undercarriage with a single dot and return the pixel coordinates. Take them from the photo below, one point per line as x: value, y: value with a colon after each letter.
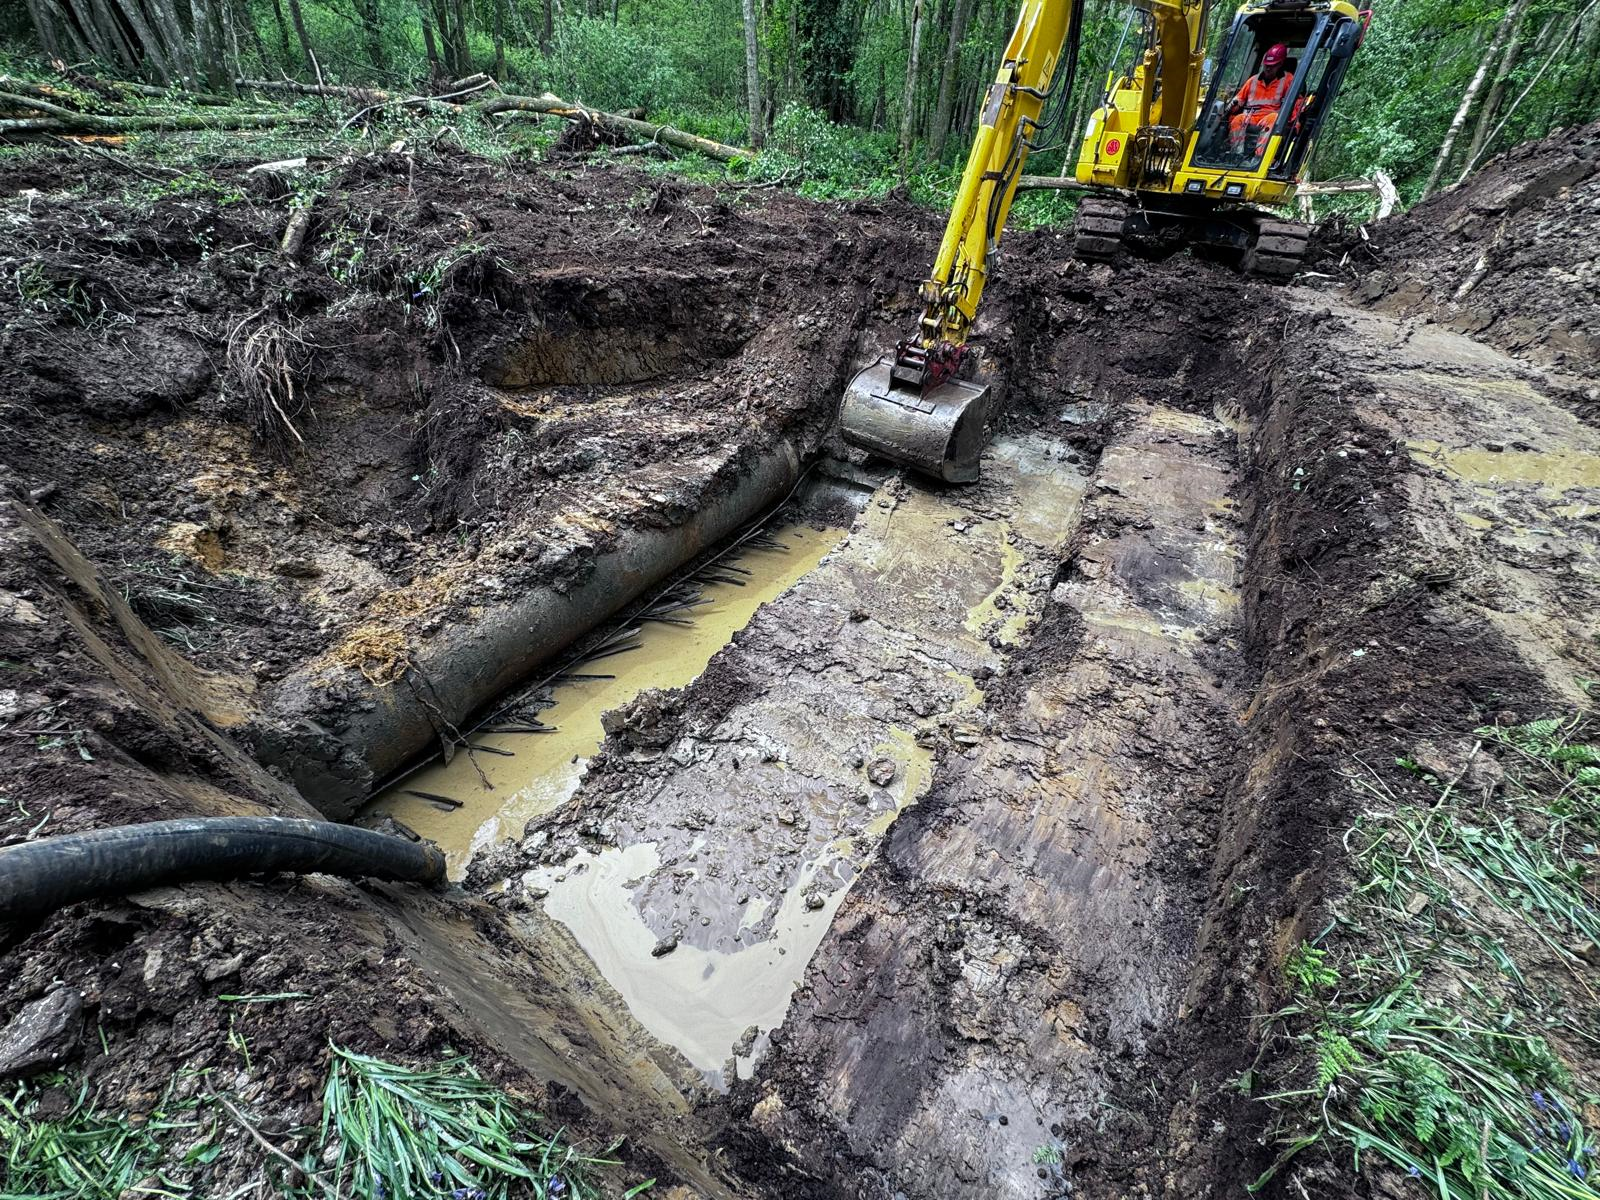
x: 1261, y: 244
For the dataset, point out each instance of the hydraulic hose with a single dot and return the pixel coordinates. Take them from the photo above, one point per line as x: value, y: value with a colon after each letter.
x: 39, y: 877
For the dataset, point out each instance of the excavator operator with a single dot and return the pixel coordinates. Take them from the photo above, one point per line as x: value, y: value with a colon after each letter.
x: 1254, y: 111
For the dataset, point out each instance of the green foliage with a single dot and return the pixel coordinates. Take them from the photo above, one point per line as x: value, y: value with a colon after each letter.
x: 612, y: 66
x: 825, y: 160
x: 58, y: 299
x: 404, y: 1131
x: 1308, y: 971
x: 1439, y: 1052
x: 1335, y: 1055
x: 387, y: 1132
x: 80, y: 1154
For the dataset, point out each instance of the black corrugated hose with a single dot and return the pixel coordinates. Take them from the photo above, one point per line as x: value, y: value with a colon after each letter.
x: 39, y: 877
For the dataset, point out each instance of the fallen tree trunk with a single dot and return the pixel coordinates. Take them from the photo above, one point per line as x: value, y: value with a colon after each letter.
x: 647, y: 131
x: 34, y: 114
x: 1380, y: 185
x: 56, y: 119
x: 1049, y: 183
x: 291, y: 87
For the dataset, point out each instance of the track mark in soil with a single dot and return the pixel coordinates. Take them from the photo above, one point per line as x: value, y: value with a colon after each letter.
x: 498, y: 795
x: 719, y: 838
x: 1029, y: 931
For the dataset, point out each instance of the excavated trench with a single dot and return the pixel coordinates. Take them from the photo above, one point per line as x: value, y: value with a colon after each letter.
x: 899, y: 851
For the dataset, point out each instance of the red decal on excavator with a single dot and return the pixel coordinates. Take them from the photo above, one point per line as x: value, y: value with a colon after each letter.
x: 1113, y: 145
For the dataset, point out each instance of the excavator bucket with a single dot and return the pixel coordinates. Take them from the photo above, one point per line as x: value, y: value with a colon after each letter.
x: 940, y: 431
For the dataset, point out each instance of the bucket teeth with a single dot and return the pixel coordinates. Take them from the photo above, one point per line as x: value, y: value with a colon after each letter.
x: 940, y: 431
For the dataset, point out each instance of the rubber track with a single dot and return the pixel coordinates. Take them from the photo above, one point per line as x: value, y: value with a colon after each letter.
x: 1097, y: 231
x: 1279, y: 249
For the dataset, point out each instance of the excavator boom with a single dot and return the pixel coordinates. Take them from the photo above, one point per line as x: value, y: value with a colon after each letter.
x: 910, y: 405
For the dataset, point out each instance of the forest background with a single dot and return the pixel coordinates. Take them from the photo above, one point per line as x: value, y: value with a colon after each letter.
x: 849, y: 97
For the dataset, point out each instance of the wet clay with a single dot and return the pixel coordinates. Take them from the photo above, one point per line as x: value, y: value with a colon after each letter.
x: 709, y: 860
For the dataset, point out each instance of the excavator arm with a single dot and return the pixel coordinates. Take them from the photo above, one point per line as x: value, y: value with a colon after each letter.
x: 910, y: 405
x: 1045, y: 35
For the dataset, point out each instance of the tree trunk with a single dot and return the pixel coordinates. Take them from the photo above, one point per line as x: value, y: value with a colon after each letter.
x: 1497, y: 91
x: 283, y: 32
x: 499, y: 38
x: 461, y: 52
x: 547, y: 31
x: 81, y: 21
x: 752, y: 75
x: 207, y: 53
x: 908, y: 98
x: 44, y: 28
x: 429, y: 45
x: 960, y: 14
x: 645, y: 130
x: 1569, y: 31
x: 793, y: 57
x: 1583, y: 97
x: 256, y: 41
x: 372, y: 33
x: 116, y: 36
x: 155, y: 48
x: 229, y: 40
x: 1496, y: 46
x: 299, y: 20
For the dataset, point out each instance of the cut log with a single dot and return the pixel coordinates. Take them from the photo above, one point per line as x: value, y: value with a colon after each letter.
x: 65, y: 121
x: 647, y: 131
x: 1050, y: 183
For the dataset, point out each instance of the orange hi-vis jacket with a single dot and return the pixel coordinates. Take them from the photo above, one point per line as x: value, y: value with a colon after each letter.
x: 1262, y: 100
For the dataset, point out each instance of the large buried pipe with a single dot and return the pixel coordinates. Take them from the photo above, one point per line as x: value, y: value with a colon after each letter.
x: 335, y: 734
x: 39, y: 877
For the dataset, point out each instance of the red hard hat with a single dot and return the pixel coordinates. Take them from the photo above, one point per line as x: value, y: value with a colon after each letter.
x: 1276, y: 55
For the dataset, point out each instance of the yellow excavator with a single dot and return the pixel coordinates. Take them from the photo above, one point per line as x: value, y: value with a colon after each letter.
x: 1179, y: 144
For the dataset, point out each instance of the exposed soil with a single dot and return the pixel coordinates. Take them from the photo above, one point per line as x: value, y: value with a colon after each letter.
x: 1038, y: 781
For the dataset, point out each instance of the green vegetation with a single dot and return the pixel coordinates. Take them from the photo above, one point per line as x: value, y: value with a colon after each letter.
x: 441, y: 1130
x: 840, y: 100
x: 80, y: 1154
x: 387, y: 1131
x: 1442, y: 1024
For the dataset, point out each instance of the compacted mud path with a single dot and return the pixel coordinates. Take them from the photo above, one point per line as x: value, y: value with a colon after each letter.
x: 959, y: 854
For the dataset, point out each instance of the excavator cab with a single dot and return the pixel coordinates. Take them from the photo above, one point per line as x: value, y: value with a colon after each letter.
x: 1320, y: 45
x: 1203, y: 174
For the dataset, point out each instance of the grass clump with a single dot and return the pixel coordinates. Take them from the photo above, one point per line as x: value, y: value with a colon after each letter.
x: 388, y: 1132
x: 441, y: 1131
x: 1448, y: 1025
x: 78, y: 1153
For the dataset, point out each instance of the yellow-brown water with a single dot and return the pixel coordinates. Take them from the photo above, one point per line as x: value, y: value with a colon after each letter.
x: 1555, y: 472
x: 499, y: 795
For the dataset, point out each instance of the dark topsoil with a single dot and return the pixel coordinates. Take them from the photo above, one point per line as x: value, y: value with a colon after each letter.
x: 479, y: 349
x: 1509, y: 259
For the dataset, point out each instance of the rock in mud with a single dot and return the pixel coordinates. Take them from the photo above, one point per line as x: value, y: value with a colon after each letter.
x: 882, y: 771
x: 665, y: 946
x: 42, y: 1035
